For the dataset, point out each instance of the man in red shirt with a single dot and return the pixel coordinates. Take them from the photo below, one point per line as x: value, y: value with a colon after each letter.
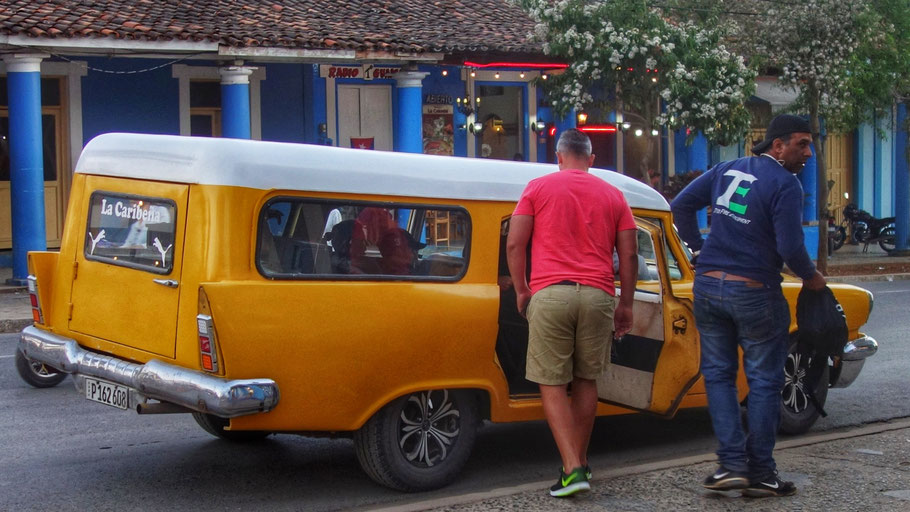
x: 573, y: 220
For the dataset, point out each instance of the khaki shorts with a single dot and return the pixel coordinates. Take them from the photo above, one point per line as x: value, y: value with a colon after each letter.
x: 570, y: 330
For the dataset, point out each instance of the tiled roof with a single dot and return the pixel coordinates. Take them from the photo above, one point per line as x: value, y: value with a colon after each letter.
x: 449, y: 26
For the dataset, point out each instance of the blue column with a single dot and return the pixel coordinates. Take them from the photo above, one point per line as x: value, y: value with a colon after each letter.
x: 808, y: 178
x: 697, y: 154
x: 26, y: 161
x: 235, y: 102
x: 697, y: 160
x: 409, y: 122
x: 901, y: 184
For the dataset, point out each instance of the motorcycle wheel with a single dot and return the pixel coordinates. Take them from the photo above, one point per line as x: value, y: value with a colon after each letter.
x: 839, y: 237
x: 887, y: 239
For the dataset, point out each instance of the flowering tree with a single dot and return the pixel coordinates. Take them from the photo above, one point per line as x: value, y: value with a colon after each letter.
x: 817, y: 46
x: 640, y: 56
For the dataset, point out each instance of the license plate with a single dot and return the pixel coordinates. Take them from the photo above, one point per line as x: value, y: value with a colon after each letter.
x: 107, y: 393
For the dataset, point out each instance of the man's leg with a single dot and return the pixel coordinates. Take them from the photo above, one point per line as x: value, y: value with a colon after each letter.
x: 765, y: 340
x: 559, y: 412
x: 719, y: 367
x: 584, y: 410
x: 551, y: 340
x: 593, y: 335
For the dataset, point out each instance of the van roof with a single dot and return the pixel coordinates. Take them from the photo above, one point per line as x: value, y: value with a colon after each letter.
x: 286, y: 166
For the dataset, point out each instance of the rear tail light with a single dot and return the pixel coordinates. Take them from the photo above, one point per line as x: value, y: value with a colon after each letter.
x: 205, y: 332
x: 208, y: 357
x: 37, y: 314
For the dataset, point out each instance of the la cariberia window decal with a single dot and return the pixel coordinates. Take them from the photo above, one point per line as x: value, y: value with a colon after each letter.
x: 131, y: 231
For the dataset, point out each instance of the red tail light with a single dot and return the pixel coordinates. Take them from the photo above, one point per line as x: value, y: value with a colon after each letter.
x: 37, y: 314
x: 208, y: 357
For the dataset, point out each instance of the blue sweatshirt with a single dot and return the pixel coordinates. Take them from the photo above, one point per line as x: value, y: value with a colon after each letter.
x: 756, y: 220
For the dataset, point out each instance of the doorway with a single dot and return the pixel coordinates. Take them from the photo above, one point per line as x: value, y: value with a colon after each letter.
x: 501, y: 111
x: 365, y: 112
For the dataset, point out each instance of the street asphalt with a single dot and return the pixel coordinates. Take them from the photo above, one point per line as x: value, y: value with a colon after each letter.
x: 861, y: 468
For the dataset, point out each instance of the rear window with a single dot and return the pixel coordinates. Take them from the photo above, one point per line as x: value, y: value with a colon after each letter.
x: 318, y: 239
x: 131, y: 231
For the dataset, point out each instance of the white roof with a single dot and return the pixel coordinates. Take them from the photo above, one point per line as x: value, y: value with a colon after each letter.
x: 284, y: 166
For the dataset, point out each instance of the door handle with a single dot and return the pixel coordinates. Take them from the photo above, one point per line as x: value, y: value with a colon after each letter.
x: 170, y: 283
x: 680, y: 324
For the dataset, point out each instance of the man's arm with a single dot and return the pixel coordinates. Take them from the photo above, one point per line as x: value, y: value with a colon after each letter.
x: 520, y: 229
x: 788, y: 229
x: 627, y: 249
x: 694, y: 197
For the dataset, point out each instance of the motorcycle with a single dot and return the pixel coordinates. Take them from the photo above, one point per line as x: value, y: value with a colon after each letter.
x: 867, y: 229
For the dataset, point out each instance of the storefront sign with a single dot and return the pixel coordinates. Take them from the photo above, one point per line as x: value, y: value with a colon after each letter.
x: 438, y: 99
x: 366, y: 72
x: 438, y: 136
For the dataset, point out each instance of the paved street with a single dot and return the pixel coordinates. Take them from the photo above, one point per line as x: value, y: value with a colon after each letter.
x: 61, y: 452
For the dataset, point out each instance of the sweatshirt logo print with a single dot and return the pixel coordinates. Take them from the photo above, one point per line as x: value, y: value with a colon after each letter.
x: 736, y: 190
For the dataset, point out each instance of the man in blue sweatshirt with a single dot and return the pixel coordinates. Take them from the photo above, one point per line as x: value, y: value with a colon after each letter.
x: 756, y: 226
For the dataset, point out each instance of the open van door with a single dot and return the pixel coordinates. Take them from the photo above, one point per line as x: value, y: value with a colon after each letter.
x: 653, y: 366
x: 127, y: 270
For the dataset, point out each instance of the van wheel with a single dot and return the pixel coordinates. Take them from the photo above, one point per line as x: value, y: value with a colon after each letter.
x: 37, y: 374
x: 216, y: 425
x: 797, y: 412
x: 419, y: 441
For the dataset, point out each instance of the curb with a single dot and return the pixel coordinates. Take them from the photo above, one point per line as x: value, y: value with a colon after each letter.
x: 636, y: 469
x: 10, y: 326
x: 868, y: 277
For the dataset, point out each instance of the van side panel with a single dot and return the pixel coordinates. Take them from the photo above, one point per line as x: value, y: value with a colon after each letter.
x: 341, y: 350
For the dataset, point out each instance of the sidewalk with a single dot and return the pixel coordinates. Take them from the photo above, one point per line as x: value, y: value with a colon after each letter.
x: 847, y: 264
x: 867, y: 468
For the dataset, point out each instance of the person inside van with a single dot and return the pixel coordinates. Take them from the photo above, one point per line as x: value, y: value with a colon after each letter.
x: 399, y: 251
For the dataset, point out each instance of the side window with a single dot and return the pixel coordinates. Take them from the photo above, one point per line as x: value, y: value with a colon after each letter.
x: 313, y: 239
x: 672, y: 262
x: 131, y: 231
x: 647, y: 259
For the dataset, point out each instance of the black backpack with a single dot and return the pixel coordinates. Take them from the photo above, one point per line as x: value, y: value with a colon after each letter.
x: 822, y: 333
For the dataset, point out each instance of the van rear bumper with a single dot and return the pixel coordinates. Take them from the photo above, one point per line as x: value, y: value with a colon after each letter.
x: 155, y: 379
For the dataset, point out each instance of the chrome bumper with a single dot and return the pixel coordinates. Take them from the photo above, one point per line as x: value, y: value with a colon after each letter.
x: 155, y: 379
x: 855, y: 354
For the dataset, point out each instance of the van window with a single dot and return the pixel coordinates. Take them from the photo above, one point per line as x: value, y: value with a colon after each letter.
x: 131, y: 231
x: 672, y: 263
x: 313, y: 239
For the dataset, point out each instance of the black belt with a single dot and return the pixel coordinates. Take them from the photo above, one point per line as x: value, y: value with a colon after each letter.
x: 568, y: 283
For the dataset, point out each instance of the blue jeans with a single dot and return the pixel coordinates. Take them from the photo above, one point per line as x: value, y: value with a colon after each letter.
x: 732, y: 314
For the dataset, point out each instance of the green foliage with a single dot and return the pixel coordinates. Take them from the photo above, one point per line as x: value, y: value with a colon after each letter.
x: 633, y: 54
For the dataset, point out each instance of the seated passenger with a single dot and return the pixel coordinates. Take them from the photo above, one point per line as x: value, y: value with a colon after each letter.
x: 399, y: 252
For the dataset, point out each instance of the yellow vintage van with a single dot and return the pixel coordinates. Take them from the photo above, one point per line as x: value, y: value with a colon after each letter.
x: 281, y: 288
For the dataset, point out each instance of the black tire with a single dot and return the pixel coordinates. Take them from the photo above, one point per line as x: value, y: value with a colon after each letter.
x: 420, y: 441
x: 216, y: 426
x: 797, y: 412
x: 37, y: 374
x: 887, y: 239
x: 839, y: 237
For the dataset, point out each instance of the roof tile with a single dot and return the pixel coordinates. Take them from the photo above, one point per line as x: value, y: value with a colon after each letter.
x: 395, y: 25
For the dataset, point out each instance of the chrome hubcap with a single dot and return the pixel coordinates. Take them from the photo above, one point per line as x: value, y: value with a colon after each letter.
x: 794, y: 394
x: 41, y: 369
x: 429, y: 425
